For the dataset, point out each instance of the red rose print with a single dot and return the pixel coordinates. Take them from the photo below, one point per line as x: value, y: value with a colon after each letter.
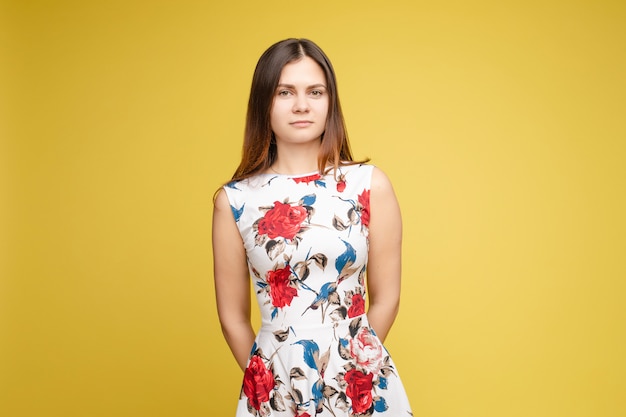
x: 359, y: 390
x: 281, y: 292
x: 307, y: 179
x: 341, y: 185
x: 258, y: 382
x: 367, y: 350
x: 364, y: 202
x: 358, y: 306
x: 282, y: 220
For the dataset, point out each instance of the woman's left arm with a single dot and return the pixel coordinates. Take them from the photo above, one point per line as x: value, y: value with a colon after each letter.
x: 385, y: 251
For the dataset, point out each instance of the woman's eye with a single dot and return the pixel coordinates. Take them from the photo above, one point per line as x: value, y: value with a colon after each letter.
x: 316, y: 93
x: 284, y: 93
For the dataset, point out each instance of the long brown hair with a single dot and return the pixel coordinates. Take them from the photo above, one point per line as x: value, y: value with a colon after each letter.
x: 259, y: 150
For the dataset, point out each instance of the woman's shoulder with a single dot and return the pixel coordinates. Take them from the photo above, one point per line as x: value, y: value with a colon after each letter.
x: 374, y: 176
x: 356, y: 168
x: 246, y: 184
x: 368, y: 171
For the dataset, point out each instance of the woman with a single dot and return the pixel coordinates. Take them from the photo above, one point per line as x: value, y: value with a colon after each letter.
x: 306, y: 222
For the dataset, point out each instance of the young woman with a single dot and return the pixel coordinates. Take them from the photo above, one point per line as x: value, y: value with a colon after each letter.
x: 313, y: 229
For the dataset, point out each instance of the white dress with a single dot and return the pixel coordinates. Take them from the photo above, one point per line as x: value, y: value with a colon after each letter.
x: 306, y: 239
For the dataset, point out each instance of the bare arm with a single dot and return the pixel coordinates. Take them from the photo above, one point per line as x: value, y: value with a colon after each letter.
x: 232, y: 281
x: 385, y: 246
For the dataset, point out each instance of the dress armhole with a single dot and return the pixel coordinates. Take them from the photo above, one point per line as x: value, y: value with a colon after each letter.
x: 235, y: 208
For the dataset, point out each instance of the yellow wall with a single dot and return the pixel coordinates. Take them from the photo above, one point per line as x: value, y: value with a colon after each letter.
x: 501, y: 125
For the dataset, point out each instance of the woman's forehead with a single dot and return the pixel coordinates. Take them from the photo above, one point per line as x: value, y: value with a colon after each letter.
x: 302, y: 71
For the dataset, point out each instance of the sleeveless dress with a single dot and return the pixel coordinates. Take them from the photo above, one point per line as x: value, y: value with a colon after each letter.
x: 306, y: 239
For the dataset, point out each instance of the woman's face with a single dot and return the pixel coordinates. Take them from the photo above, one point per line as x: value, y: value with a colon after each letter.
x: 300, y: 104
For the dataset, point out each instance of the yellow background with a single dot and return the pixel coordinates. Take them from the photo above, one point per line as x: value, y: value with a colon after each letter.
x: 501, y: 124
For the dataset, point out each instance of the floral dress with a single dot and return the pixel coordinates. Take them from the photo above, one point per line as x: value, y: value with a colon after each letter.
x: 306, y: 239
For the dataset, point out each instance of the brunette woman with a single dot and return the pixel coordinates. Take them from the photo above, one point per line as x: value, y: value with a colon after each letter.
x: 313, y: 229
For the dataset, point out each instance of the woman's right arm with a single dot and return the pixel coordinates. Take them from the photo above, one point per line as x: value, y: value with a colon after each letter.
x: 232, y: 281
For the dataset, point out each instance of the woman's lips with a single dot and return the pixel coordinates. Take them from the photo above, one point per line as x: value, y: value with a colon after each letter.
x: 301, y: 123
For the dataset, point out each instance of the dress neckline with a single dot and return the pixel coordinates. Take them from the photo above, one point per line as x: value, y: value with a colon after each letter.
x: 296, y: 176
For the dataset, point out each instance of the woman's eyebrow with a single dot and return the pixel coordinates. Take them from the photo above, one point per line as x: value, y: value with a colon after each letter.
x: 293, y: 86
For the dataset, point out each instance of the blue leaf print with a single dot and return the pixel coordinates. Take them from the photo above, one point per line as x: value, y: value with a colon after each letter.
x: 320, y: 183
x: 311, y: 352
x: 348, y: 256
x: 274, y: 313
x: 308, y: 200
x: 380, y: 405
x: 326, y: 290
x: 318, y: 391
x: 237, y: 212
x: 233, y: 185
x: 382, y: 382
x: 344, y: 342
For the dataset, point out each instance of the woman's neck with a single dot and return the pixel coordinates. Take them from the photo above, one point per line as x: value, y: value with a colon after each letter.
x: 296, y: 159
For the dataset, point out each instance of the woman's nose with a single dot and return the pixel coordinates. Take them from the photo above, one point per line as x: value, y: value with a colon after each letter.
x: 301, y: 104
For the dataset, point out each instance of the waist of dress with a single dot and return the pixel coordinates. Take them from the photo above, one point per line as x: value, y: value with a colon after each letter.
x: 309, y: 325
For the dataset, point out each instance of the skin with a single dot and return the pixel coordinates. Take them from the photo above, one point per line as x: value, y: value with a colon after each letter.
x: 301, y: 95
x: 384, y: 261
x: 232, y: 281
